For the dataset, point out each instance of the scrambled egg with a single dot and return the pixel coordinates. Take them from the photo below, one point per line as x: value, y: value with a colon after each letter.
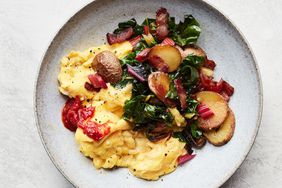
x: 76, y: 66
x: 122, y: 147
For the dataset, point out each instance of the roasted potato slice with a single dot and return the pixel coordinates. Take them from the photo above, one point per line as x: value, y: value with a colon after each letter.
x: 107, y: 66
x: 224, y: 133
x: 194, y: 50
x: 217, y: 105
x: 167, y: 54
x: 159, y: 84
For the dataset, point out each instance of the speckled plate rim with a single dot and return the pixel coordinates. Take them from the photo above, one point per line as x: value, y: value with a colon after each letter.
x: 227, y: 19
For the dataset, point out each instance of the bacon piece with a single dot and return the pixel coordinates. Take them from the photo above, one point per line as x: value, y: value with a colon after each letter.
x: 227, y: 88
x: 89, y: 87
x: 225, y: 96
x: 162, y: 32
x: 222, y: 87
x: 209, y: 64
x: 162, y: 96
x: 181, y: 93
x: 97, y: 81
x: 158, y: 63
x: 162, y: 24
x: 161, y: 16
x: 120, y: 37
x: 135, y: 40
x: 143, y: 55
x: 208, y: 84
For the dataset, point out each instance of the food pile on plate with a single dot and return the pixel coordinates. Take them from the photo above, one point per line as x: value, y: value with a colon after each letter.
x: 147, y: 98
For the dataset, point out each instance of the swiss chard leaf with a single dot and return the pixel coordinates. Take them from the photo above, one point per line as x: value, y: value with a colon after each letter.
x: 138, y: 29
x: 139, y: 112
x: 188, y: 75
x: 195, y: 131
x: 172, y: 93
x: 189, y: 134
x: 186, y: 32
x: 151, y: 23
x: 138, y: 88
x: 180, y: 136
x: 191, y: 105
x: 193, y: 60
x: 129, y: 59
x: 130, y: 23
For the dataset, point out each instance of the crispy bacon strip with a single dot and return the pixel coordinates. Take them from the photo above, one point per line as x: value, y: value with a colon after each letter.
x: 181, y: 93
x: 135, y: 40
x: 143, y: 55
x: 97, y: 81
x: 162, y: 24
x: 158, y: 63
x: 120, y: 37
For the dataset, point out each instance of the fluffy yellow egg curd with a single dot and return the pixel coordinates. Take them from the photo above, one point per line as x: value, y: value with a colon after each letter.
x: 76, y: 66
x: 122, y: 147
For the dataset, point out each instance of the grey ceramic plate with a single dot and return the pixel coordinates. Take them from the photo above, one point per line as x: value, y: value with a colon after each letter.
x: 222, y: 42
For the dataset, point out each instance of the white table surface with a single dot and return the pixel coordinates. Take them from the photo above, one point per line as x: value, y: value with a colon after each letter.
x: 27, y: 26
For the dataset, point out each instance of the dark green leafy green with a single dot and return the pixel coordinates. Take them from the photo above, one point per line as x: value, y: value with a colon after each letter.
x: 138, y: 111
x: 129, y: 59
x: 191, y: 105
x: 186, y: 32
x: 138, y: 29
x: 138, y: 88
x: 188, y: 75
x: 180, y: 136
x: 190, y: 135
x: 172, y: 93
x: 130, y: 23
x: 151, y: 23
x: 193, y: 60
x: 195, y: 131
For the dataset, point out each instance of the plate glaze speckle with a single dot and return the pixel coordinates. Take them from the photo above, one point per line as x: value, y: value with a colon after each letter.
x: 222, y: 42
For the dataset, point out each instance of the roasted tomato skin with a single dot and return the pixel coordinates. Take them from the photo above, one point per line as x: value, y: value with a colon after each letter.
x: 95, y: 130
x: 74, y: 114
